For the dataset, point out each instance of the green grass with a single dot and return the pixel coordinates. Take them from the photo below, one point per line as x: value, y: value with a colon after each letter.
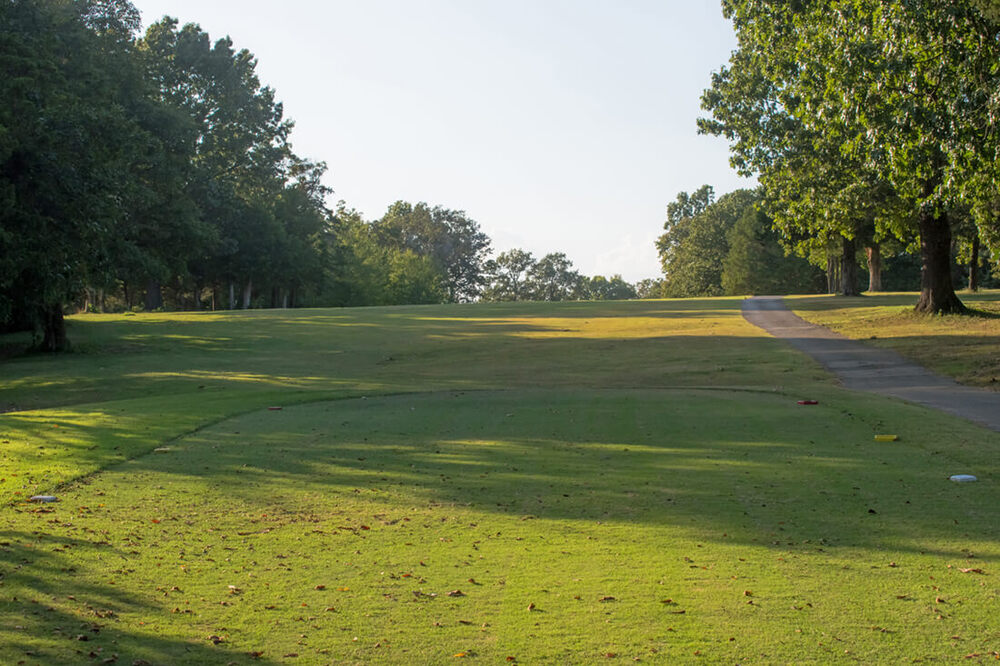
x: 966, y: 347
x: 626, y: 479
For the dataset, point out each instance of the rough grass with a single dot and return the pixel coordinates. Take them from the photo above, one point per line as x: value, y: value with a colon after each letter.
x: 966, y: 347
x: 590, y: 482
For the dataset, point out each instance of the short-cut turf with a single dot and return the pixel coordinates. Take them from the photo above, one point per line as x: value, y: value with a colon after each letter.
x: 433, y: 508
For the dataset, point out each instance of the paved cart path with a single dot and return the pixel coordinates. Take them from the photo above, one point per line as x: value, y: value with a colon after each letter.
x: 863, y: 367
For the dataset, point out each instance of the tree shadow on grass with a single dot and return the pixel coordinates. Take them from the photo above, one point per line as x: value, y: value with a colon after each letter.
x: 755, y: 467
x: 413, y: 357
x: 53, y: 612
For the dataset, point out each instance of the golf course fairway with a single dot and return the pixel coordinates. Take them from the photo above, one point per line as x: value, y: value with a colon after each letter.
x: 500, y: 483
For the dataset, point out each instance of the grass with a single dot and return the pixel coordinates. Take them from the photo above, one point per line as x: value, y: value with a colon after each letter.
x: 577, y: 483
x: 966, y: 347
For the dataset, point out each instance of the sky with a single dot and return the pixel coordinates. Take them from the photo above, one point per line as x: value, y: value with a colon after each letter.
x: 558, y: 125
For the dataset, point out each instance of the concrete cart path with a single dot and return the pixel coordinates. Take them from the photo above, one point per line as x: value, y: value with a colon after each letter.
x: 863, y: 367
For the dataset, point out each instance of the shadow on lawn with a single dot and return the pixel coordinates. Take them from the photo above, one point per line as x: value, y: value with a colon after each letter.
x: 50, y: 614
x: 754, y: 467
x: 411, y: 355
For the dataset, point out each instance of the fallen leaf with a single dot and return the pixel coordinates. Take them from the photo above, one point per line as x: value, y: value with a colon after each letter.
x: 456, y: 593
x: 975, y: 571
x: 531, y: 606
x: 320, y: 587
x: 460, y: 654
x: 605, y: 599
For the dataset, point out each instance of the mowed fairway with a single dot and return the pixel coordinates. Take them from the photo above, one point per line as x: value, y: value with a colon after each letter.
x: 573, y: 483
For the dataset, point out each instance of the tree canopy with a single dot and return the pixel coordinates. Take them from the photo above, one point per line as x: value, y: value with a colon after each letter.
x: 865, y: 119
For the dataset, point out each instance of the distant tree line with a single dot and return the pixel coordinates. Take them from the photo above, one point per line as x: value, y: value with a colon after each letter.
x: 155, y: 170
x: 731, y: 246
x: 872, y: 128
x: 416, y: 254
x: 727, y: 246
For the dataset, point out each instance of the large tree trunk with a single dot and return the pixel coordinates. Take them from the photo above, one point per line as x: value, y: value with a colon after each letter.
x: 849, y: 268
x: 974, y: 265
x: 874, y: 255
x: 937, y: 291
x: 54, y: 330
x: 154, y: 296
x: 832, y: 279
x: 247, y: 294
x: 232, y: 295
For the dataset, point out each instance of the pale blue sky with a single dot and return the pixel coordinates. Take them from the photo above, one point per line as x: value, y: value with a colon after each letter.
x: 558, y: 125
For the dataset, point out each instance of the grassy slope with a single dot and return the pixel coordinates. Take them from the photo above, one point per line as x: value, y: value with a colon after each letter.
x: 964, y: 347
x: 523, y: 454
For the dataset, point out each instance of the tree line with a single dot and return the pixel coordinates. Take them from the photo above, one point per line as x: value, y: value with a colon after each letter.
x: 418, y: 254
x: 727, y: 247
x: 155, y: 170
x: 870, y: 124
x: 731, y: 246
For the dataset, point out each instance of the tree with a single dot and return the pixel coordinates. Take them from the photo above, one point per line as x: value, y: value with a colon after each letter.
x: 362, y: 270
x: 600, y: 288
x: 509, y: 276
x: 900, y: 90
x: 452, y: 240
x: 242, y: 162
x: 694, y: 247
x: 649, y: 288
x: 757, y: 264
x: 552, y: 278
x: 70, y: 149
